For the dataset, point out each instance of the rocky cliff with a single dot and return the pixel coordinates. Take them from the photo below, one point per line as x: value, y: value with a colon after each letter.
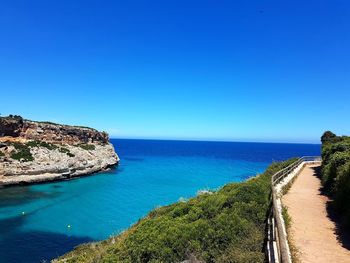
x: 16, y: 126
x: 32, y: 152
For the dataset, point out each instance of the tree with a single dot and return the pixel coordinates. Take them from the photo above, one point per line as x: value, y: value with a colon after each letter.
x: 328, y: 136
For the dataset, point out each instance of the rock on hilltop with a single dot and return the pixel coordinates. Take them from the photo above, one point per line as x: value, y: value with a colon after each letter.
x: 32, y: 152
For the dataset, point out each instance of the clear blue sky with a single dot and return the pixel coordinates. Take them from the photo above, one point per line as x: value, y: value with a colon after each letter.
x: 180, y: 69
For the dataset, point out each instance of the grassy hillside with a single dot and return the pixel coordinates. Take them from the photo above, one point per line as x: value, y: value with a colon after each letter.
x: 336, y: 171
x: 225, y: 226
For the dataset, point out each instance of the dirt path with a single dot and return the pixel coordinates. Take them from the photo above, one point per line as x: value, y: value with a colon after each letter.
x: 312, y: 229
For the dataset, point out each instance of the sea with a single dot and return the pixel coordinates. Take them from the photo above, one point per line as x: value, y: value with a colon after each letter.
x: 41, y: 222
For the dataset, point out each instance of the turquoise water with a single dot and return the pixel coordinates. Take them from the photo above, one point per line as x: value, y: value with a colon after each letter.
x: 40, y: 222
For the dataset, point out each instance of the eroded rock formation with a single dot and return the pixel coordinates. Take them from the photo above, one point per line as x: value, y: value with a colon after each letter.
x: 33, y: 152
x: 50, y: 132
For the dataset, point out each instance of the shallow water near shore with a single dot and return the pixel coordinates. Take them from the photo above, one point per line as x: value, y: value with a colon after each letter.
x: 41, y: 222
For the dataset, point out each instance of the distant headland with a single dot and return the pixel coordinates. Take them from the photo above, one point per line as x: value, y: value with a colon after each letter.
x: 33, y: 152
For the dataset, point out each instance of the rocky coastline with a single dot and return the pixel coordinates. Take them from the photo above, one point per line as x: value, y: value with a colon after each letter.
x: 36, y: 152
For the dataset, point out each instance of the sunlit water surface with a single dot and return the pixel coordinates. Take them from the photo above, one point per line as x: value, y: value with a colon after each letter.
x: 40, y: 222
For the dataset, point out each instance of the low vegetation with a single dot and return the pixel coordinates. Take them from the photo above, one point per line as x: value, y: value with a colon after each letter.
x: 336, y: 171
x: 88, y: 147
x: 295, y: 253
x: 70, y: 154
x: 22, y: 152
x: 18, y: 117
x: 50, y: 146
x: 64, y: 150
x: 47, y: 145
x: 11, y: 116
x: 225, y: 226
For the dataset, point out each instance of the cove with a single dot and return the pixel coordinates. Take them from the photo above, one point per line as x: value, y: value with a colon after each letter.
x: 41, y: 222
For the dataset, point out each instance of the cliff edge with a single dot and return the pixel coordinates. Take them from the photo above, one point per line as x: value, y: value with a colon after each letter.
x: 33, y: 152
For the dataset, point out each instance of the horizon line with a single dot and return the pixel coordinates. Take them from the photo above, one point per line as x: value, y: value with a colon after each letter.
x: 209, y: 140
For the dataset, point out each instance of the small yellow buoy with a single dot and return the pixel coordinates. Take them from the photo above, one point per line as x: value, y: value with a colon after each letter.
x: 23, y: 213
x: 68, y: 226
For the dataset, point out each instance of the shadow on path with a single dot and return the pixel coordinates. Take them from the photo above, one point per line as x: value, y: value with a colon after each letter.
x: 343, y: 234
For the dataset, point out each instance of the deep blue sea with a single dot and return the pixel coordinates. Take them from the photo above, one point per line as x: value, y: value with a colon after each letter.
x: 40, y: 222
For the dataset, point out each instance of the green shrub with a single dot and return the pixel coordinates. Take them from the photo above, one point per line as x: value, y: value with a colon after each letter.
x: 328, y: 137
x: 47, y: 145
x: 226, y: 226
x: 66, y: 151
x: 330, y: 148
x: 2, y: 154
x: 33, y: 144
x: 22, y: 152
x: 331, y: 168
x: 63, y: 150
x: 70, y: 154
x: 336, y: 172
x: 88, y: 147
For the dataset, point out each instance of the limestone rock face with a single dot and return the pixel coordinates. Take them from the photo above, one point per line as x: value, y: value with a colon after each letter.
x: 32, y: 152
x: 51, y: 132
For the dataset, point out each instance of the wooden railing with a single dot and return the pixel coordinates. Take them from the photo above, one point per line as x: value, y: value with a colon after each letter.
x: 277, y: 248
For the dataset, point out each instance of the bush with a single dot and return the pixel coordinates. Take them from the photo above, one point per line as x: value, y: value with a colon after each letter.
x: 22, y: 152
x: 328, y: 136
x: 331, y: 168
x: 33, y: 144
x: 67, y: 151
x: 329, y: 149
x: 336, y: 172
x: 88, y: 147
x: 226, y: 226
x: 63, y: 150
x: 47, y: 145
x: 70, y: 154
